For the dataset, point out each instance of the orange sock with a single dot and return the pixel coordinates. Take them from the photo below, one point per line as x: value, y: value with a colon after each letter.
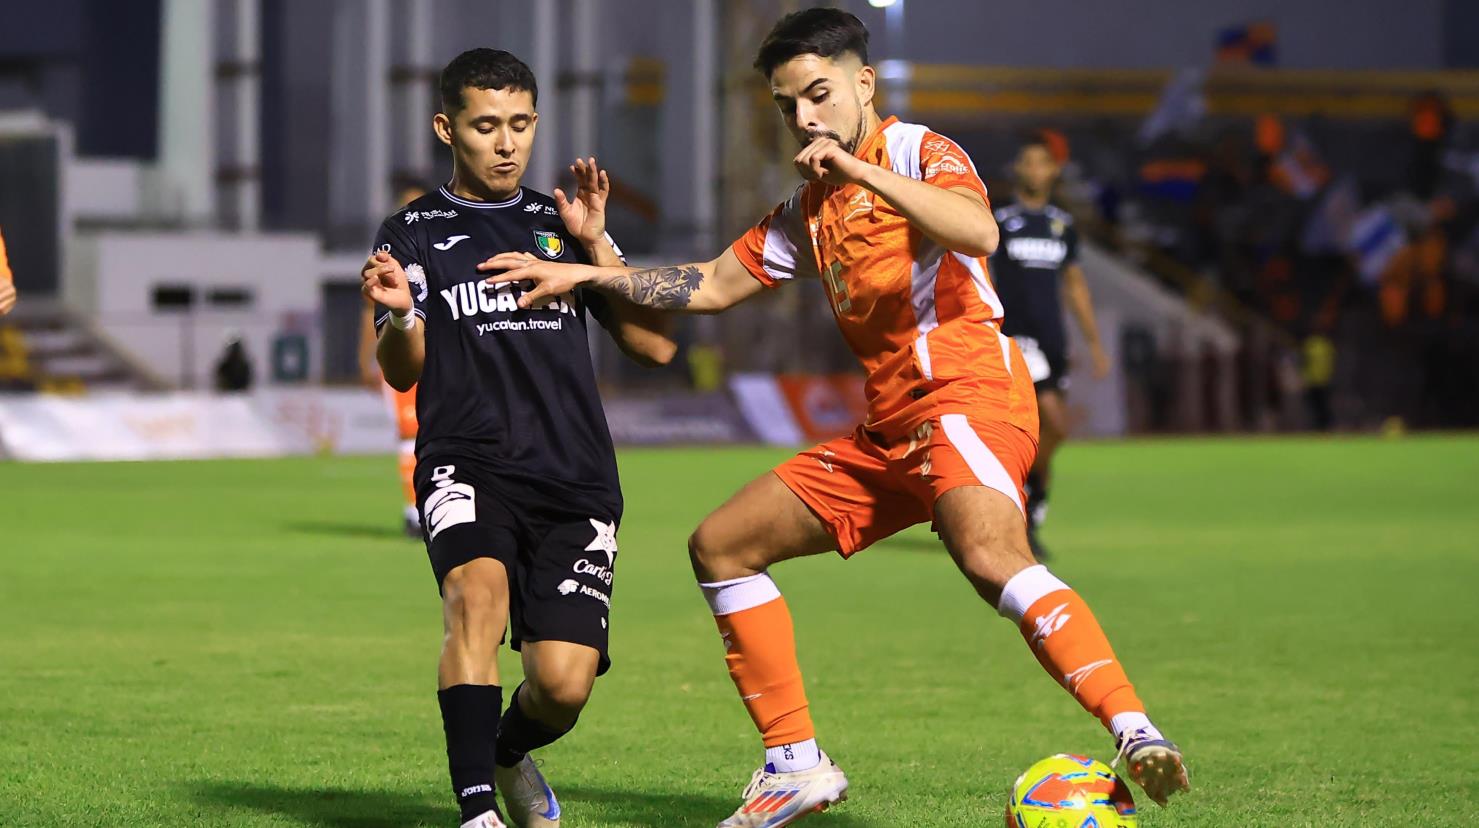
x: 403, y: 409
x: 761, y: 653
x: 1069, y: 643
x: 408, y: 471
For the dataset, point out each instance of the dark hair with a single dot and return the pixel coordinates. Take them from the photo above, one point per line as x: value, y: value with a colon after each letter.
x: 484, y: 69
x: 822, y: 32
x: 1035, y: 139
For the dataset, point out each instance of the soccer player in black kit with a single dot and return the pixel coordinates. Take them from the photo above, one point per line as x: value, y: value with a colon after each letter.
x: 515, y: 472
x: 1035, y: 270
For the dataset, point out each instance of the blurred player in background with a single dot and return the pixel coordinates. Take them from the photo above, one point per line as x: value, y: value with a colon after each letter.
x: 516, y: 475
x: 1035, y: 270
x: 402, y: 403
x: 896, y: 223
x: 7, y: 282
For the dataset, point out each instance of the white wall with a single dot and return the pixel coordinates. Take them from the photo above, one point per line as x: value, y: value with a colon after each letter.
x: 112, y: 276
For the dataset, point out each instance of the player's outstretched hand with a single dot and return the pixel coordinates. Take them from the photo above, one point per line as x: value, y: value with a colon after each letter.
x: 827, y: 161
x: 585, y: 215
x: 386, y: 283
x: 7, y: 297
x: 549, y: 279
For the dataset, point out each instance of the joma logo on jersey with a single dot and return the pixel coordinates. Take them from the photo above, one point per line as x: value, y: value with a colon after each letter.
x: 469, y: 299
x: 1049, y: 251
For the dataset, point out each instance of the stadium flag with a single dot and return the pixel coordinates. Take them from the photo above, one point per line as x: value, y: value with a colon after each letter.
x: 1376, y: 238
x: 1251, y: 44
x: 1174, y: 179
x: 1299, y: 170
x: 1183, y: 103
x: 1329, y: 227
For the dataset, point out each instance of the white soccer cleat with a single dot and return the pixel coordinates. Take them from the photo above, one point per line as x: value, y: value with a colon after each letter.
x: 526, y: 796
x: 1154, y: 762
x: 488, y: 819
x: 776, y: 799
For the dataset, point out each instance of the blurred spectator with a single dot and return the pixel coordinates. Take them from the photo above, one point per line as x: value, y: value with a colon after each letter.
x: 1318, y: 373
x: 7, y: 282
x: 1312, y: 228
x: 234, y: 369
x: 1431, y: 120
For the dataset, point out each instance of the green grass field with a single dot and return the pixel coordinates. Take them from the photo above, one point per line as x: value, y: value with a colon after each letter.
x: 253, y: 644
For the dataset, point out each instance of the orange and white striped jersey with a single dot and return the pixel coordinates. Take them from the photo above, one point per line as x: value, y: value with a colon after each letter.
x: 924, y: 321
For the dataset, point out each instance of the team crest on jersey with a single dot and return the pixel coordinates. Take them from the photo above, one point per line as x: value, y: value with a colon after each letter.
x: 550, y: 243
x: 1057, y: 228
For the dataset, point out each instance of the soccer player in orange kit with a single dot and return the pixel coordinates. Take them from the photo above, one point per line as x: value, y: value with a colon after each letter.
x: 7, y: 282
x: 402, y: 404
x: 895, y: 221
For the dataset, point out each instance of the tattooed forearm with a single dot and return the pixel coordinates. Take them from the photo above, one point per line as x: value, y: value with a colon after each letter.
x: 667, y: 288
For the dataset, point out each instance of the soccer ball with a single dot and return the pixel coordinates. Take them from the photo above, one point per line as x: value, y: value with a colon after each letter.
x: 1066, y: 791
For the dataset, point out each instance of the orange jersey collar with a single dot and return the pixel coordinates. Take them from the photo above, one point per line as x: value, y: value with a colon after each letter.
x: 869, y: 147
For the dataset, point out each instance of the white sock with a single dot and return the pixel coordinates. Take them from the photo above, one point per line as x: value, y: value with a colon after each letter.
x: 729, y: 597
x: 1024, y: 589
x: 1126, y: 722
x: 791, y: 758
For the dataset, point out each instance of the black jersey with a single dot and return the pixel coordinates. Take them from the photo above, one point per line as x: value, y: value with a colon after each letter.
x: 1036, y: 245
x: 514, y: 389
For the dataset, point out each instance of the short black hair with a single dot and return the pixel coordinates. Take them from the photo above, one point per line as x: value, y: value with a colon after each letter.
x: 484, y: 69
x: 823, y: 32
x: 1035, y: 139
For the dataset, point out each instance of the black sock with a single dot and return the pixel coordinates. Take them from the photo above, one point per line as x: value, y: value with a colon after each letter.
x: 518, y: 734
x: 470, y: 719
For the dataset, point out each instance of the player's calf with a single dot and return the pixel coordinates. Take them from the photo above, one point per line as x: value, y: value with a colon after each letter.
x: 983, y: 531
x: 558, y: 680
x: 474, y: 609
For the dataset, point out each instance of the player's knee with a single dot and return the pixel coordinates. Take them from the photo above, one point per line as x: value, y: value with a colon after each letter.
x: 471, y: 602
x: 559, y: 689
x: 563, y: 689
x: 715, y: 558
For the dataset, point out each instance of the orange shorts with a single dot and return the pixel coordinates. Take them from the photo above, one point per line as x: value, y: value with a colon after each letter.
x: 403, y: 409
x: 866, y: 489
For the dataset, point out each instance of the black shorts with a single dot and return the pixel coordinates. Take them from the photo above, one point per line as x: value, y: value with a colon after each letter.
x: 1048, y: 366
x: 559, y: 550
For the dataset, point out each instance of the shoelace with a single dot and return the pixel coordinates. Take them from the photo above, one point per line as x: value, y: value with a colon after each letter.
x: 1124, y: 747
x: 756, y: 780
x: 529, y: 775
